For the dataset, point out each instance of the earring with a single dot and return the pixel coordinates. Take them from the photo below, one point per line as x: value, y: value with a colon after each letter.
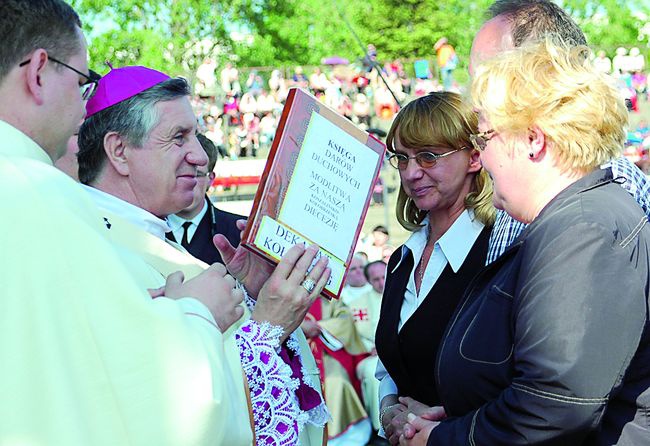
x: 531, y: 155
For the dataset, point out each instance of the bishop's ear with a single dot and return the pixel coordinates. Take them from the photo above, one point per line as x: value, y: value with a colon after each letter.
x: 115, y: 149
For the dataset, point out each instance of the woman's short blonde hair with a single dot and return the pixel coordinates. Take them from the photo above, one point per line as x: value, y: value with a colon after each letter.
x: 554, y: 87
x: 440, y: 119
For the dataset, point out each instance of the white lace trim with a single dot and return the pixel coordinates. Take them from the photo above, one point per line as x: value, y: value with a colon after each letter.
x: 272, y: 390
x: 272, y: 415
x: 249, y: 301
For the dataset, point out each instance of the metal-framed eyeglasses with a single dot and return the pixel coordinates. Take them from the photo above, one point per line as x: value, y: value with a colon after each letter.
x: 424, y: 159
x: 88, y: 88
x: 480, y: 140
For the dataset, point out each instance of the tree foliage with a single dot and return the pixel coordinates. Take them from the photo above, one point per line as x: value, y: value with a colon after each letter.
x: 304, y: 31
x: 409, y: 28
x: 609, y: 24
x: 287, y: 32
x: 171, y: 35
x: 176, y: 35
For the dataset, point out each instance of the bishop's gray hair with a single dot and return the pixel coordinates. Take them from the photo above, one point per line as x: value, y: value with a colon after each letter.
x: 133, y: 119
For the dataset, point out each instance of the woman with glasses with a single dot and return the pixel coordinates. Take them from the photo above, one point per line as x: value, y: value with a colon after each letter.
x: 445, y: 200
x: 551, y: 343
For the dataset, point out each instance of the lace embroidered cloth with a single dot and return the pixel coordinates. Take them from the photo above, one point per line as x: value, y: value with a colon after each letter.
x: 283, y: 396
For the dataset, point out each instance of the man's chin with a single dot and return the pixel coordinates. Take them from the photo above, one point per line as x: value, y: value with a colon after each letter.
x: 195, y: 206
x: 187, y: 203
x: 178, y: 206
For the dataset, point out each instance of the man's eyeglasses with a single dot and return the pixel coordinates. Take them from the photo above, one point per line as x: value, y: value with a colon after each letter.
x: 480, y: 140
x: 424, y: 159
x: 88, y: 88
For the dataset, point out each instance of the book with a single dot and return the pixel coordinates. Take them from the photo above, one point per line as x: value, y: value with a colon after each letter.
x: 316, y: 186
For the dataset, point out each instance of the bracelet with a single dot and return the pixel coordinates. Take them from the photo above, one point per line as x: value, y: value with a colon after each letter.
x: 383, y: 412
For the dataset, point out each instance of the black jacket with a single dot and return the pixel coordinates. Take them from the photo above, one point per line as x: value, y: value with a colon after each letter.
x: 550, y: 344
x: 215, y: 221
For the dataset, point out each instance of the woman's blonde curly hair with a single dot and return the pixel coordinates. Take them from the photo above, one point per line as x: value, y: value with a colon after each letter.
x: 554, y: 86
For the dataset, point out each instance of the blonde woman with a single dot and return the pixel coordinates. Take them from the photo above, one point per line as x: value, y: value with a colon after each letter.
x: 551, y: 345
x: 445, y: 199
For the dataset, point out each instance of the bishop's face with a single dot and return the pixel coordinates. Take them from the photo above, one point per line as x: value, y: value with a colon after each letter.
x: 163, y: 172
x: 68, y: 162
x: 203, y: 181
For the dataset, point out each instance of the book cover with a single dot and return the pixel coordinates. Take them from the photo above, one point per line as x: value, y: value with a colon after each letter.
x: 316, y: 186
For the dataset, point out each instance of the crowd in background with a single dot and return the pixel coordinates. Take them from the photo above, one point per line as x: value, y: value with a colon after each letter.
x: 629, y: 68
x: 239, y: 108
x: 240, y: 112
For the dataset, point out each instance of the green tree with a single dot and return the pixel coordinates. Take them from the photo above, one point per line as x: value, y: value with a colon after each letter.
x: 176, y: 35
x: 302, y: 32
x: 409, y: 28
x: 609, y: 24
x: 171, y: 35
x: 288, y: 32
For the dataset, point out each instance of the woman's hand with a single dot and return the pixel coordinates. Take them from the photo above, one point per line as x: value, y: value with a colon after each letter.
x: 422, y: 429
x: 431, y: 413
x: 417, y: 409
x: 393, y: 421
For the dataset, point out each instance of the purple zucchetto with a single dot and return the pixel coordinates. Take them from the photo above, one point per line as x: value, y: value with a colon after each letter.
x: 121, y: 84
